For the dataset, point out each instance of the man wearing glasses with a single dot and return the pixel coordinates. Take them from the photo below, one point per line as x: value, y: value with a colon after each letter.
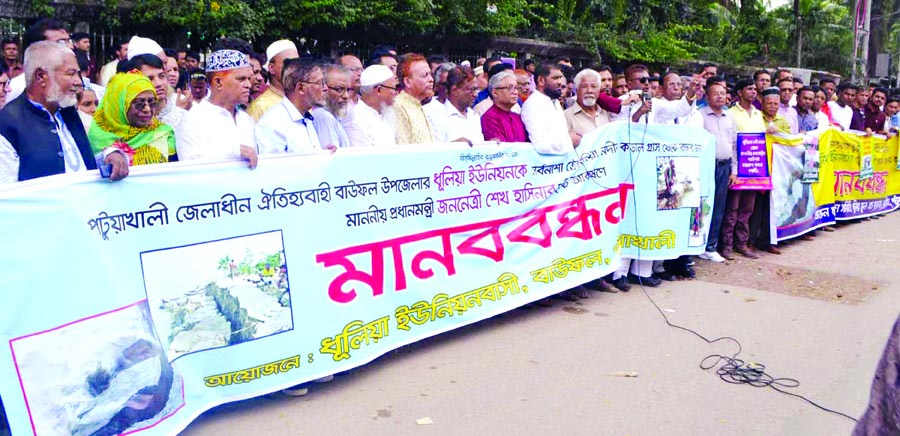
x: 46, y: 29
x: 500, y: 123
x: 355, y: 67
x: 333, y: 117
x: 785, y: 107
x: 373, y: 116
x: 457, y: 121
x: 288, y: 126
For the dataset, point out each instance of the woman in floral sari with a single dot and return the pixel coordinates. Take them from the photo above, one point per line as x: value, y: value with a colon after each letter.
x: 126, y: 120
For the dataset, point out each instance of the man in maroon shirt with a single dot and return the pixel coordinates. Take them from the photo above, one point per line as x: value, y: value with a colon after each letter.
x: 874, y: 117
x: 500, y: 123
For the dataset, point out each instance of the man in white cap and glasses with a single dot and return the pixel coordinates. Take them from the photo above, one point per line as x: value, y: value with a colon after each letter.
x: 217, y: 129
x: 277, y: 52
x: 373, y: 116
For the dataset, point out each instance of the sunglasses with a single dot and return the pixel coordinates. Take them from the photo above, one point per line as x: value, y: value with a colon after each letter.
x: 140, y: 104
x: 198, y: 76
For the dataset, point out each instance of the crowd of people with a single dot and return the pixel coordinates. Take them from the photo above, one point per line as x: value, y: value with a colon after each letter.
x: 62, y: 112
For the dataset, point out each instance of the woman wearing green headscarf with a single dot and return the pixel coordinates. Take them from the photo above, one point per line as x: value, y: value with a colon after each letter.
x: 126, y: 120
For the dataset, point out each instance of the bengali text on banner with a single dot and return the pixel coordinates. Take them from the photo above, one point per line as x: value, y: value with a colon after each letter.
x: 132, y: 307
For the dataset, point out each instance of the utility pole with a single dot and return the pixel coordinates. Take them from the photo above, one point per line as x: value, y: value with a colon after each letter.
x: 862, y: 21
x: 798, y: 22
x: 867, y: 22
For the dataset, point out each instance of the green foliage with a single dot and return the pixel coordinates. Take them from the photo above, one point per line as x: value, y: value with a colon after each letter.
x: 650, y: 31
x: 42, y: 8
x: 207, y: 19
x: 826, y: 30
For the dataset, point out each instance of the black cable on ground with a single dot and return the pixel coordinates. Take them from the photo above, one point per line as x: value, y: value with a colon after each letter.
x: 729, y: 368
x: 735, y: 371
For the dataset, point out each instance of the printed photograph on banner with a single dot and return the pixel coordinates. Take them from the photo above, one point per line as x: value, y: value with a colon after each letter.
x: 700, y: 217
x: 103, y: 375
x: 866, y: 170
x: 810, y: 159
x: 219, y: 293
x: 792, y: 196
x: 677, y: 182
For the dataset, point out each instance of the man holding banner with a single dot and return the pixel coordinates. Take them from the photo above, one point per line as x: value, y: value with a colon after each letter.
x: 742, y: 196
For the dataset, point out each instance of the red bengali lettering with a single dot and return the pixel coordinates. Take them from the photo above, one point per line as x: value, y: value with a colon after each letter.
x: 571, y: 214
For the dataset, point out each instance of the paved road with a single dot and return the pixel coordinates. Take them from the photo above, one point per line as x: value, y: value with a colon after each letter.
x: 547, y: 372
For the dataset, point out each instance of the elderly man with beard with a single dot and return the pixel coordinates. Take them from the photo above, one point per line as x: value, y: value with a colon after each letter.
x: 585, y: 115
x: 46, y: 29
x: 339, y: 99
x: 288, y: 127
x: 411, y: 123
x: 217, y: 128
x: 43, y: 125
x: 276, y: 53
x: 329, y: 115
x: 373, y: 115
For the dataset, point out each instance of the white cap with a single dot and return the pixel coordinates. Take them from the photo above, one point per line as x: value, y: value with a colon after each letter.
x: 139, y: 46
x: 374, y: 75
x: 277, y: 47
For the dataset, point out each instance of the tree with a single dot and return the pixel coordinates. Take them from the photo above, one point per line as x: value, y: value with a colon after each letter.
x: 823, y: 29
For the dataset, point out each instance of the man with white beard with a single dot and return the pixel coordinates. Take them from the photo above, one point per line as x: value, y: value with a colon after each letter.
x: 374, y: 113
x: 328, y: 115
x: 43, y: 125
x: 585, y: 116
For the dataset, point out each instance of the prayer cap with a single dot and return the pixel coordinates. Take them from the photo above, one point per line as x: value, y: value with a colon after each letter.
x: 226, y: 60
x: 375, y: 75
x: 278, y: 47
x: 770, y: 91
x: 139, y: 46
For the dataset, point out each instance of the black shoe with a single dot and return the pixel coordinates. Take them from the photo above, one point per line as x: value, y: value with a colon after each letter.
x: 665, y: 275
x: 646, y: 281
x: 621, y: 284
x: 688, y: 273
